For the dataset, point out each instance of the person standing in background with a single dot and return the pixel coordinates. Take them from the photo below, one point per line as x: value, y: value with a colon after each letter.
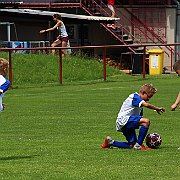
x: 62, y: 38
x: 110, y: 5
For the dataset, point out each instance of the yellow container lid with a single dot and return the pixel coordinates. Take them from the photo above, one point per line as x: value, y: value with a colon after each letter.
x: 156, y: 51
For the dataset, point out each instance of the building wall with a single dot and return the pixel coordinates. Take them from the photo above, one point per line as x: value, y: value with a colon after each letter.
x: 27, y: 29
x: 171, y: 33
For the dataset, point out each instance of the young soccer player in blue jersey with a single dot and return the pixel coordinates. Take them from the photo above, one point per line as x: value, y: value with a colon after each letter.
x: 129, y: 119
x: 4, y: 83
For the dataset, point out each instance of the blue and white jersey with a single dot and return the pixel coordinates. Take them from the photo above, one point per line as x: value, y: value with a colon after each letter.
x: 132, y: 106
x: 4, y: 85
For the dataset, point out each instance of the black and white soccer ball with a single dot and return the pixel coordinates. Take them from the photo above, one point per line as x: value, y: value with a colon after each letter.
x: 153, y: 140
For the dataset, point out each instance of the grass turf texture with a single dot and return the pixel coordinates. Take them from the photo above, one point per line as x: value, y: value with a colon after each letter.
x: 31, y: 69
x: 56, y: 132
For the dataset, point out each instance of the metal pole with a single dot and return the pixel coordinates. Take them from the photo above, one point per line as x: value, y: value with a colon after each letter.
x: 104, y: 62
x: 144, y: 61
x: 60, y: 66
x: 9, y: 32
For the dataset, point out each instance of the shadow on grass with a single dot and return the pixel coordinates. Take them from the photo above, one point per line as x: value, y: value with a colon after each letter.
x: 9, y: 158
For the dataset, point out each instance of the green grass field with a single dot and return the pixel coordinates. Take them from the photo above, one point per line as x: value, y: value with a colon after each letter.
x: 55, y: 132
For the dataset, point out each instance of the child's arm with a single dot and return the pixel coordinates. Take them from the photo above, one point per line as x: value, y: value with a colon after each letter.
x: 4, y: 87
x: 173, y: 107
x: 150, y: 106
x: 52, y: 28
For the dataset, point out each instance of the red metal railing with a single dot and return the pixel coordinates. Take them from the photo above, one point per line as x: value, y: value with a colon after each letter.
x: 69, y: 3
x: 140, y: 27
x: 103, y: 11
x: 41, y: 3
x: 10, y: 50
x: 148, y: 32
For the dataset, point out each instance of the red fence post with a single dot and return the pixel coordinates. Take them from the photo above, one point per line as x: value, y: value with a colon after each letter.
x: 104, y: 62
x: 60, y: 66
x: 10, y: 67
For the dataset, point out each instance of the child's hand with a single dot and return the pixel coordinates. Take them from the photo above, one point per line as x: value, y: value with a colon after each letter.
x: 42, y: 31
x: 160, y: 110
x: 173, y: 107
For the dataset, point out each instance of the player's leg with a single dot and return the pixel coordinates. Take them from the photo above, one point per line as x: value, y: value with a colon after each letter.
x: 112, y: 10
x: 133, y: 123
x: 130, y: 135
x: 129, y: 129
x: 144, y: 123
x: 54, y: 44
x: 64, y: 44
x: 109, y: 142
x: 129, y: 132
x: 1, y: 105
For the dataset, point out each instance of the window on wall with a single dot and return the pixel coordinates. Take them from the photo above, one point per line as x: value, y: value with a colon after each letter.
x: 83, y: 31
x: 151, y: 21
x: 71, y: 30
x: 83, y: 34
x: 78, y: 34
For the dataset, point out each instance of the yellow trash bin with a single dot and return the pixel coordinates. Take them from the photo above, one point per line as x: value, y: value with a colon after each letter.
x: 156, y: 59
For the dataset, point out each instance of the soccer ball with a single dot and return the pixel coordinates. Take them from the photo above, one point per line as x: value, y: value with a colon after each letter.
x: 153, y: 140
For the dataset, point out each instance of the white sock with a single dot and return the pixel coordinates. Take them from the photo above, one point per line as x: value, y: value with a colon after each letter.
x: 137, y: 146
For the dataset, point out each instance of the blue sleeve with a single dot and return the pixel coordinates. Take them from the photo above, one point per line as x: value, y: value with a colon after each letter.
x: 136, y: 100
x: 4, y: 87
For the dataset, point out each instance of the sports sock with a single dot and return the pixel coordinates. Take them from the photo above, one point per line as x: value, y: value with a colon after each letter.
x: 142, y: 134
x: 137, y: 146
x: 121, y: 144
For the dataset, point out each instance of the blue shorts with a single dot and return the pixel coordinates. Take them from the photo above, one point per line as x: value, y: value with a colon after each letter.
x: 133, y: 122
x: 129, y: 129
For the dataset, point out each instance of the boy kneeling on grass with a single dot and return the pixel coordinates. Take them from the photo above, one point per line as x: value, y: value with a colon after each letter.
x: 4, y: 83
x: 129, y: 119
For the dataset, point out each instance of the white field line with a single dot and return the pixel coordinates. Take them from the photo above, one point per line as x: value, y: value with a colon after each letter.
x: 77, y: 90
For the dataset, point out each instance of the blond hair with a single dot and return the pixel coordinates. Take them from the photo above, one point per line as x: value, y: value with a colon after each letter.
x: 149, y: 89
x: 3, y: 64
